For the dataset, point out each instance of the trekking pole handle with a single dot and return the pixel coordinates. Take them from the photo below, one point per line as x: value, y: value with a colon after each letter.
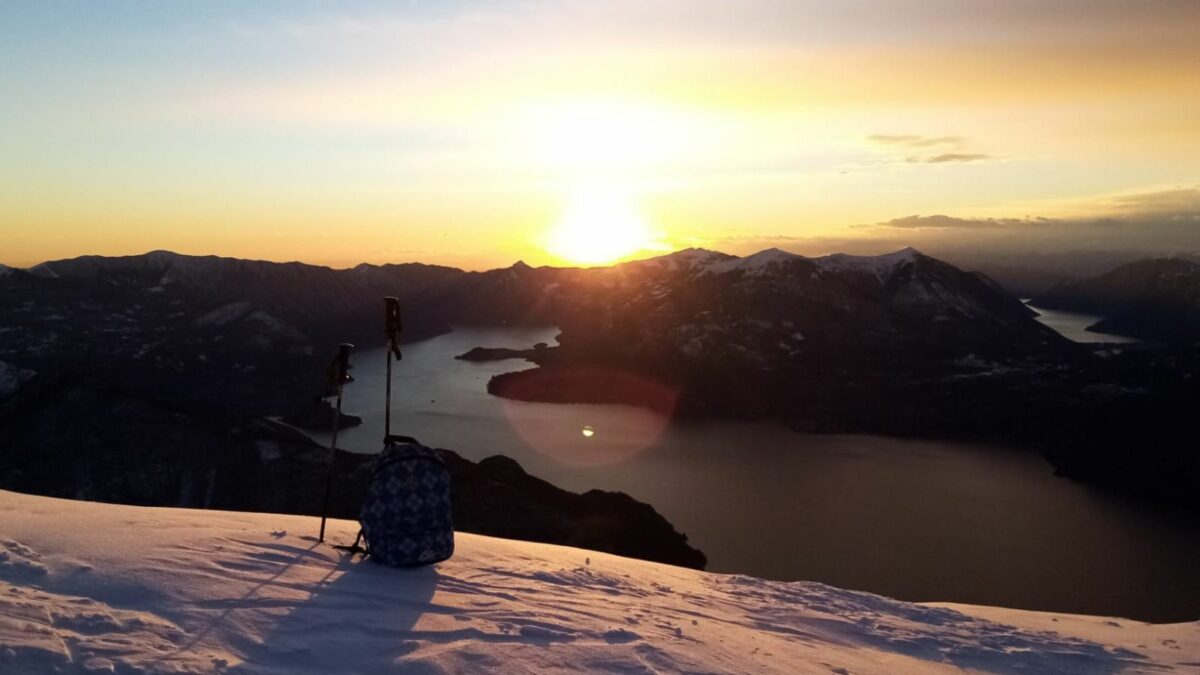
x: 392, y: 324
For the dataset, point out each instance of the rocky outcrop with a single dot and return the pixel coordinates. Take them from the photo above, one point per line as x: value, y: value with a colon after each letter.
x: 502, y: 353
x: 495, y: 496
x: 319, y: 415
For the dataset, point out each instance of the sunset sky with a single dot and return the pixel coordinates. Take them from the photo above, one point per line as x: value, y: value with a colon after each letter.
x: 476, y: 134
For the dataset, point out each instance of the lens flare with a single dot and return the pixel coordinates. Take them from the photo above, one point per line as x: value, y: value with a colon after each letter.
x: 568, y: 433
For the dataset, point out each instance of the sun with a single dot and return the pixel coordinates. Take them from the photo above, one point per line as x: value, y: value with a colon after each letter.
x: 604, y: 154
x: 599, y: 225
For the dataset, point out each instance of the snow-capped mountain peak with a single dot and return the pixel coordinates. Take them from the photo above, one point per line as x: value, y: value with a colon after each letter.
x: 683, y: 259
x: 756, y: 263
x: 879, y: 266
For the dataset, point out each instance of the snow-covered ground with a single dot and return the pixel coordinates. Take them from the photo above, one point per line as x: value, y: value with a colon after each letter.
x: 90, y: 587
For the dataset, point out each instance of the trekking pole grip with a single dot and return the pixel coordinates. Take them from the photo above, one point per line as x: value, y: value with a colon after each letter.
x: 392, y: 324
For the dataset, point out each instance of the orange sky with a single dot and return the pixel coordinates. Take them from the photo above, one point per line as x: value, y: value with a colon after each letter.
x: 476, y: 134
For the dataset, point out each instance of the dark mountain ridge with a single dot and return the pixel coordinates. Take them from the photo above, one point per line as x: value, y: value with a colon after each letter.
x: 731, y: 336
x: 1155, y: 299
x: 897, y: 344
x: 734, y: 336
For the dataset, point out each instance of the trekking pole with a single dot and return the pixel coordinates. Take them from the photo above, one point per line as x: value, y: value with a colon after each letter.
x: 391, y: 316
x: 341, y: 373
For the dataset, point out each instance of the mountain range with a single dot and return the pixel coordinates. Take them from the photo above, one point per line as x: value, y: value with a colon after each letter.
x: 899, y: 344
x: 211, y: 328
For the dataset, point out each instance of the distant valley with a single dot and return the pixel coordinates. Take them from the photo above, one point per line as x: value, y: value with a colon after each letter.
x: 1150, y: 299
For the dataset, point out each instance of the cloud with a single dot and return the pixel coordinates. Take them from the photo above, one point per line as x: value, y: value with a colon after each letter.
x: 1147, y: 223
x: 943, y: 222
x: 1163, y: 220
x: 944, y: 149
x: 1181, y: 201
x: 915, y: 141
x: 956, y: 157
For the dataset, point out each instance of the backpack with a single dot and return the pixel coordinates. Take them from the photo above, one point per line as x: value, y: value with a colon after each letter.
x: 406, y: 515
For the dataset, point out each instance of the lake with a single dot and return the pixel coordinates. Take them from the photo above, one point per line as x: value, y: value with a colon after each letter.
x: 917, y: 520
x: 1073, y: 325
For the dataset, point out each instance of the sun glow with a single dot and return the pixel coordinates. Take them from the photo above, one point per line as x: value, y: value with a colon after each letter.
x: 599, y: 225
x: 590, y: 137
x: 606, y: 151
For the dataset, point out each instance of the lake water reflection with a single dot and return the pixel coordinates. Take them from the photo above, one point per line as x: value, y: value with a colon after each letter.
x: 1073, y: 326
x: 918, y: 520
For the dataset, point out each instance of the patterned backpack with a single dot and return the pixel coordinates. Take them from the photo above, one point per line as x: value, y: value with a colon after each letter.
x: 406, y: 516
